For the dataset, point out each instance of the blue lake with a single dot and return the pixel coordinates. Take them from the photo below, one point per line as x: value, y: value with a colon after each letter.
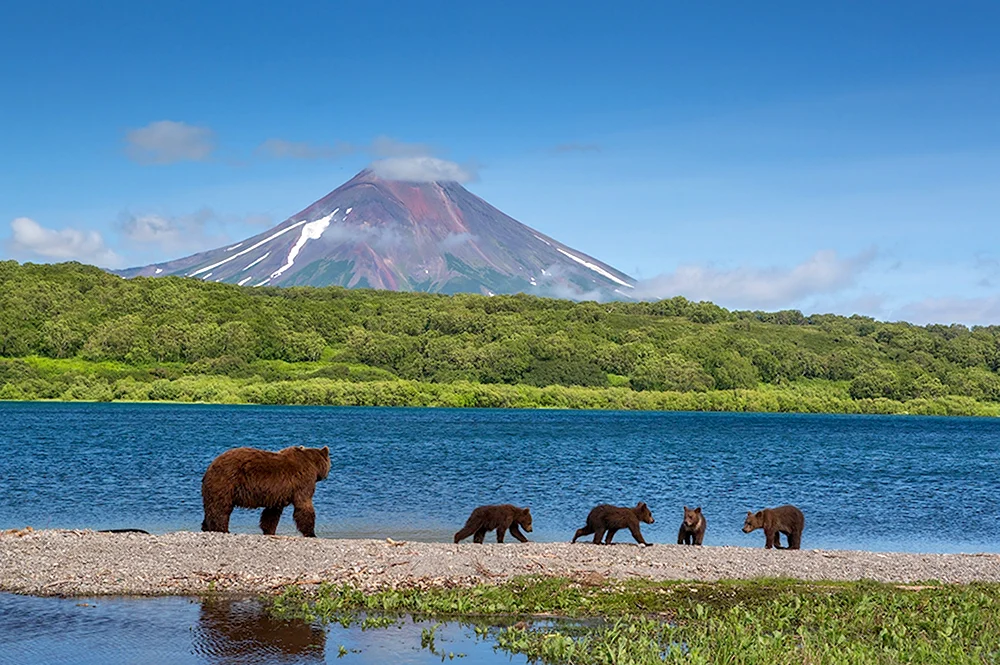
x: 864, y: 482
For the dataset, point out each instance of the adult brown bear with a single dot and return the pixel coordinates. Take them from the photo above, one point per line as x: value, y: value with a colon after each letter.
x: 788, y: 520
x: 500, y: 517
x: 251, y: 478
x: 608, y: 518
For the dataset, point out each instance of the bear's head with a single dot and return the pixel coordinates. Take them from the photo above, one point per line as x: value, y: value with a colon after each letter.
x: 642, y: 512
x: 692, y: 517
x: 753, y: 521
x: 524, y: 519
x: 322, y: 462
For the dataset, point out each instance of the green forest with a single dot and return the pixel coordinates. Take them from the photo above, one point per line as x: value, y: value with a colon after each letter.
x: 74, y: 332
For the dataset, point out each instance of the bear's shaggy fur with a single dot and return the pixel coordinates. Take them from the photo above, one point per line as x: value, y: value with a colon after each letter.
x: 251, y: 478
x: 608, y: 518
x: 500, y: 517
x: 788, y: 520
x: 692, y: 530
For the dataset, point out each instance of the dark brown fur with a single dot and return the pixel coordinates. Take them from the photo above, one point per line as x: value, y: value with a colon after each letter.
x: 609, y: 519
x: 499, y: 517
x: 692, y: 530
x: 251, y: 478
x: 788, y: 520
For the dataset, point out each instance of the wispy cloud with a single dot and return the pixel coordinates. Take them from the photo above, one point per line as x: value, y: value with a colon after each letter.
x: 455, y: 240
x: 67, y: 244
x: 982, y: 311
x: 759, y: 288
x: 168, y: 142
x: 576, y: 147
x: 167, y: 232
x: 282, y: 149
x: 392, y: 159
x: 386, y: 146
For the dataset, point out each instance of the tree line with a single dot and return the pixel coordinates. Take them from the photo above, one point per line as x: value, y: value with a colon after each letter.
x: 69, y: 330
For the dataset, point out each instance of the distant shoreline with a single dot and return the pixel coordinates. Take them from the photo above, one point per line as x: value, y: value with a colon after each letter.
x: 322, y: 392
x: 88, y: 563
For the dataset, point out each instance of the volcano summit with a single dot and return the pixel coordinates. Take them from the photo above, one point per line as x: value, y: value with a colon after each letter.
x: 404, y: 236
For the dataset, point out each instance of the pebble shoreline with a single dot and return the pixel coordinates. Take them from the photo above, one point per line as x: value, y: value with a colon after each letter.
x: 88, y: 563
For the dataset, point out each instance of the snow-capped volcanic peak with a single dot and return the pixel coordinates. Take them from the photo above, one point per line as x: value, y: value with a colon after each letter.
x: 389, y: 234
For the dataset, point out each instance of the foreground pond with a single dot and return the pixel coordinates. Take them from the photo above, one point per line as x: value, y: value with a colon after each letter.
x: 113, y: 631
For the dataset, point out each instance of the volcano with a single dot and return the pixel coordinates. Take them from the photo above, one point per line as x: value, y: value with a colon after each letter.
x: 404, y: 236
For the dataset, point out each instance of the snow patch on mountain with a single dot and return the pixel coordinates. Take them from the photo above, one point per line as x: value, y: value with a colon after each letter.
x: 251, y: 248
x: 598, y: 269
x: 255, y: 262
x: 311, y: 231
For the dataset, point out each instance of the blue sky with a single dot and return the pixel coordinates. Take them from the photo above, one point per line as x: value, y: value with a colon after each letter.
x: 843, y: 157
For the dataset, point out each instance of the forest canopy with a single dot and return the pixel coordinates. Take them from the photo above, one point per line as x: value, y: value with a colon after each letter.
x: 70, y: 331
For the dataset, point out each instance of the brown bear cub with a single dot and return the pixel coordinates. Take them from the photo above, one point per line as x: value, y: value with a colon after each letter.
x: 788, y: 520
x: 609, y: 519
x: 500, y: 517
x: 692, y: 528
x: 251, y: 478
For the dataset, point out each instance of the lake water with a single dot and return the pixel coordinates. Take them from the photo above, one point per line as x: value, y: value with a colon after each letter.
x: 179, y: 631
x: 866, y: 482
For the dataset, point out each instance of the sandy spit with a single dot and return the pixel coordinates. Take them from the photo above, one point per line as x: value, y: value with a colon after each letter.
x: 87, y: 563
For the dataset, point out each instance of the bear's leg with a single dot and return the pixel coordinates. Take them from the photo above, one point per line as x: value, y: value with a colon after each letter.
x: 464, y: 533
x: 269, y: 520
x: 585, y: 531
x: 480, y: 535
x: 698, y: 537
x: 516, y: 532
x: 216, y: 518
x: 795, y: 540
x: 598, y: 535
x: 634, y: 528
x: 611, y: 534
x: 305, y: 518
x: 681, y: 536
x: 500, y: 533
x: 769, y: 538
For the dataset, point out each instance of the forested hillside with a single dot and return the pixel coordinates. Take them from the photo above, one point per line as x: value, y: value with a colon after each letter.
x: 75, y: 332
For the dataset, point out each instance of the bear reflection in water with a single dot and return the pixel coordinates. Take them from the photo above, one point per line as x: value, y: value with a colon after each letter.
x: 240, y: 631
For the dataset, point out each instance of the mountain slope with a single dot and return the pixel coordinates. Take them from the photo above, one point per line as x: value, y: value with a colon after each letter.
x: 404, y: 236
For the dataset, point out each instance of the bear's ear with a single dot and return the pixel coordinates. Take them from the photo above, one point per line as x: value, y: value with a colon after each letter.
x: 526, y: 510
x: 698, y: 509
x: 326, y: 451
x: 685, y: 509
x: 301, y: 447
x: 749, y: 513
x: 641, y: 504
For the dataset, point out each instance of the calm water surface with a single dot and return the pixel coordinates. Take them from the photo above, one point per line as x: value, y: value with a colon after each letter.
x: 868, y: 482
x: 120, y: 631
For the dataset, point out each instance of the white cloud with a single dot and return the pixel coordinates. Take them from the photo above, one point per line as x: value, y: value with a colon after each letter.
x: 282, y: 149
x: 167, y: 142
x: 983, y: 311
x: 63, y: 245
x: 759, y: 288
x: 421, y: 169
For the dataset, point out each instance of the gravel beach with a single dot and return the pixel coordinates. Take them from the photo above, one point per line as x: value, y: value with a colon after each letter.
x: 88, y: 563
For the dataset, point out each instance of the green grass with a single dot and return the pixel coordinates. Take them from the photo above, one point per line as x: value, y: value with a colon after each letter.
x: 639, y: 622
